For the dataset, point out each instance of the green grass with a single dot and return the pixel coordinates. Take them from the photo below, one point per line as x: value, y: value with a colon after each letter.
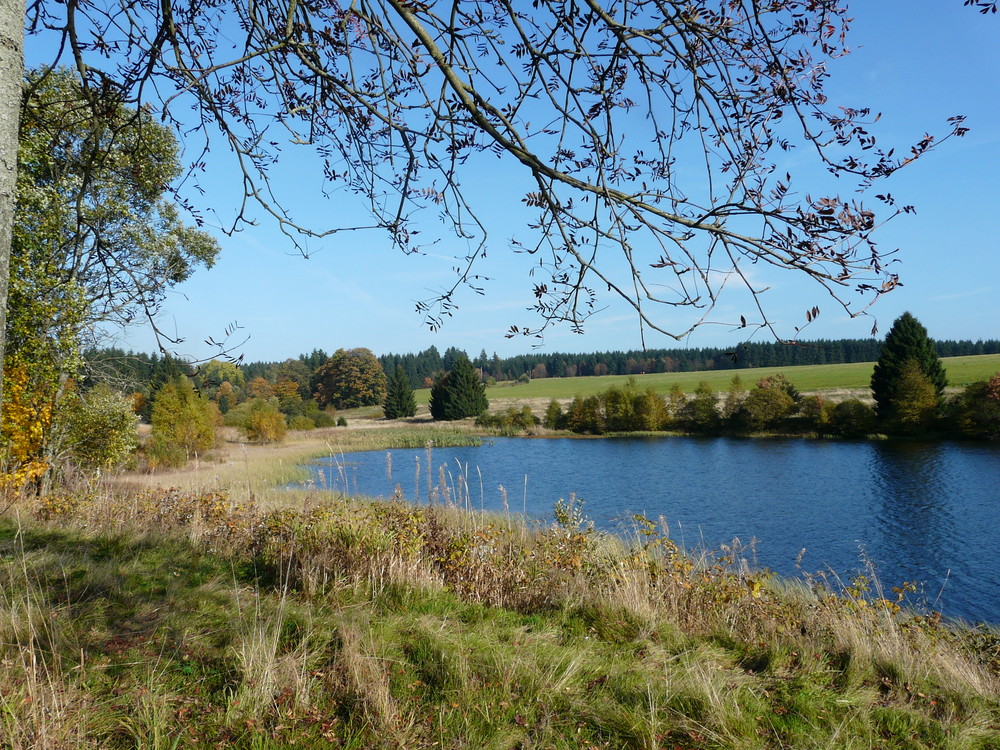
x: 167, y: 620
x: 961, y: 371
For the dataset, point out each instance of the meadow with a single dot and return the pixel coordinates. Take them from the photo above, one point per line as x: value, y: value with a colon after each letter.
x: 807, y: 378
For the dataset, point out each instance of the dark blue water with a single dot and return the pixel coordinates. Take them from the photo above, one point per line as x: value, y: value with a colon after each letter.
x: 925, y: 512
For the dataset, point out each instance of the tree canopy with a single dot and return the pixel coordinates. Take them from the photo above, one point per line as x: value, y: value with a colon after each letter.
x: 459, y: 393
x: 399, y: 400
x: 95, y: 239
x: 643, y: 138
x: 350, y: 378
x: 906, y: 345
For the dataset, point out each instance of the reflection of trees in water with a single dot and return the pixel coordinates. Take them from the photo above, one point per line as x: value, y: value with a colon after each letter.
x: 913, y: 507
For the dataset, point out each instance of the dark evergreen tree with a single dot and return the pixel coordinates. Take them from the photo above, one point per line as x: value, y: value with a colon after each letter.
x: 460, y: 393
x: 906, y: 340
x: 451, y: 356
x: 399, y: 401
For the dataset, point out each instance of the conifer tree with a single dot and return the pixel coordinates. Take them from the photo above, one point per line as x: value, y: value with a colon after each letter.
x: 399, y: 401
x: 460, y: 393
x: 907, y: 339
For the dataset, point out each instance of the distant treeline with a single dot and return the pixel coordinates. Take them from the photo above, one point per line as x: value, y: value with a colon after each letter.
x: 421, y: 367
x: 140, y: 370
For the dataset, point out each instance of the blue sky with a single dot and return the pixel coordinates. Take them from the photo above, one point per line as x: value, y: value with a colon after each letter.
x: 917, y: 62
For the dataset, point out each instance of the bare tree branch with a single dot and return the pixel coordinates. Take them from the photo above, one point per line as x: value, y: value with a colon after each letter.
x: 647, y: 134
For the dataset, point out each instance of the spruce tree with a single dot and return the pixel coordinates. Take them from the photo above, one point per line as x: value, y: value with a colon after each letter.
x: 460, y: 393
x: 906, y: 340
x: 399, y: 401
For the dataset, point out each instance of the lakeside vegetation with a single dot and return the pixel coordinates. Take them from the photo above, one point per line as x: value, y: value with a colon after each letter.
x: 961, y: 371
x: 169, y: 618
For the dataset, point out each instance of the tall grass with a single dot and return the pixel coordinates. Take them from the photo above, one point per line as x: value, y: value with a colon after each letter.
x: 188, y: 619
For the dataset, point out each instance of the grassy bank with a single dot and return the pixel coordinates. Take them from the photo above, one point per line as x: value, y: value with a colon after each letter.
x: 961, y: 371
x: 165, y: 619
x: 206, y: 608
x: 248, y: 471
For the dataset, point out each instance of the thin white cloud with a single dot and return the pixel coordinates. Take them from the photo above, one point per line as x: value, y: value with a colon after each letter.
x: 963, y: 295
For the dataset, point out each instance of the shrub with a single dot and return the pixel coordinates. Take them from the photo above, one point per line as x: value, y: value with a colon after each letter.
x: 301, y: 423
x: 323, y: 419
x: 554, y: 418
x: 511, y: 421
x: 975, y: 412
x: 702, y: 412
x: 765, y: 408
x: 651, y: 410
x: 585, y: 416
x: 183, y: 423
x: 99, y: 428
x: 735, y: 396
x: 814, y: 411
x: 619, y: 412
x: 675, y: 403
x: 341, y: 422
x: 852, y: 418
x: 264, y: 422
x: 780, y: 383
x: 27, y: 418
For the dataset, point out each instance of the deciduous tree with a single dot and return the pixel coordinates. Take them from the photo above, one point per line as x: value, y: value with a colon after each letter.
x: 95, y: 238
x: 98, y: 428
x: 915, y: 399
x: 702, y: 412
x: 263, y: 421
x: 183, y: 423
x: 350, y: 378
x: 975, y: 412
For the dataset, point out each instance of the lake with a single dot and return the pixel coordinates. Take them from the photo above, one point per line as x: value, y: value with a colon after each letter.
x: 919, y: 511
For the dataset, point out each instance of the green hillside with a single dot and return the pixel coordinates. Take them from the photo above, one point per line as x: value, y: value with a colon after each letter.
x: 961, y: 371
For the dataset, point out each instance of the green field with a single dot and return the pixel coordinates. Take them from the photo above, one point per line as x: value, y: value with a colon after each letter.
x: 961, y: 371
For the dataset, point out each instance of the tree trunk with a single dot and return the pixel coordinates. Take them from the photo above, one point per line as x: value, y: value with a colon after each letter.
x: 11, y: 77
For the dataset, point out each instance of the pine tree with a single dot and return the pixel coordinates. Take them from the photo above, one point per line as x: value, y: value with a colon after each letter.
x: 399, y: 401
x: 460, y: 393
x: 907, y: 339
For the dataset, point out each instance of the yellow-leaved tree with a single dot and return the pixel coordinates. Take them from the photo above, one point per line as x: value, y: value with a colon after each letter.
x: 93, y: 242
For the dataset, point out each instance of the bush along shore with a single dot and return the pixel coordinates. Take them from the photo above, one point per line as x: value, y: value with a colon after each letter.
x: 162, y: 618
x: 773, y: 406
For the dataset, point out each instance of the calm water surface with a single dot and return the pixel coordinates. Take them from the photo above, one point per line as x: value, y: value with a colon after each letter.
x: 926, y: 512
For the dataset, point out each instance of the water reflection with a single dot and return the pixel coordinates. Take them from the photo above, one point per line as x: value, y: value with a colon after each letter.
x: 913, y: 504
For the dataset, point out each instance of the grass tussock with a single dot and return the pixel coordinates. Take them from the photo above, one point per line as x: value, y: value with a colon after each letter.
x: 169, y: 618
